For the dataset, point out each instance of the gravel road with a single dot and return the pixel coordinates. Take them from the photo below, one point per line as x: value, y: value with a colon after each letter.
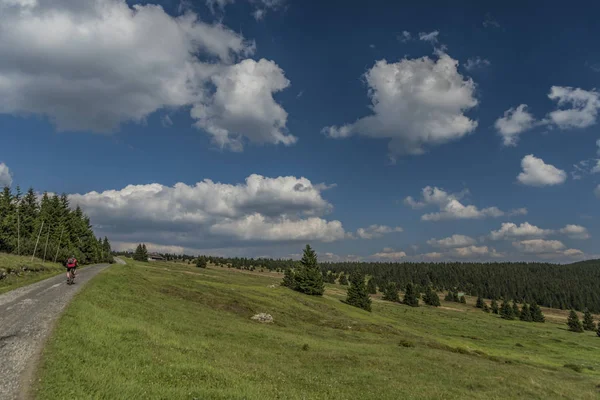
x: 27, y: 315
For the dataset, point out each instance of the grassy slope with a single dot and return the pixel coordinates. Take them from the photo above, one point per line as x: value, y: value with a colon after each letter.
x: 13, y: 262
x: 165, y: 331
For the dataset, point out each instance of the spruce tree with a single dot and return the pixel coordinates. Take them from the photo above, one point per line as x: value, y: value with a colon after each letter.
x: 410, y: 296
x: 431, y: 298
x: 536, y: 313
x: 357, y: 292
x: 516, y: 311
x: 309, y: 279
x: 494, y: 307
x: 138, y: 255
x: 449, y: 296
x: 486, y: 308
x: 343, y: 279
x: 288, y: 278
x: 574, y: 323
x: 506, y: 311
x: 526, y: 314
x: 479, y: 303
x: 201, y: 262
x: 588, y: 321
x: 144, y: 252
x: 463, y: 299
x: 390, y: 292
x: 371, y: 287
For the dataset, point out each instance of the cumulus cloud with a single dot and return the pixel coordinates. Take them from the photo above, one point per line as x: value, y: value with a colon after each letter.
x: 5, y: 175
x: 376, y: 231
x: 509, y: 230
x: 94, y: 65
x: 537, y: 246
x: 243, y: 102
x: 537, y: 173
x: 473, y: 251
x: 575, y: 231
x: 514, y: 122
x: 452, y: 241
x: 389, y: 254
x: 416, y: 103
x: 283, y: 209
x: 584, y: 107
x: 451, y: 208
x: 429, y: 37
x: 405, y: 36
x: 476, y: 62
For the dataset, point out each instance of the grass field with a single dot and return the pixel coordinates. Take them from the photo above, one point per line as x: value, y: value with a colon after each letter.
x: 36, y: 271
x: 165, y: 331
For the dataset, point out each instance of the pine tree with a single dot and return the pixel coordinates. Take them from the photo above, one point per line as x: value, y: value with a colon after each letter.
x: 357, y: 292
x: 431, y: 298
x: 479, y: 303
x: 463, y: 299
x: 494, y: 307
x: 526, y: 314
x: 144, y: 252
x: 138, y: 255
x: 574, y: 323
x: 506, y: 311
x: 588, y: 321
x: 309, y: 279
x: 515, y: 307
x: 536, y: 313
x: 390, y: 292
x: 288, y: 278
x: 371, y: 287
x: 410, y: 296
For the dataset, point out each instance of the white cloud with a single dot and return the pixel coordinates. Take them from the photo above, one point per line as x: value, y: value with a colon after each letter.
x: 405, y: 36
x: 452, y: 241
x: 243, y: 104
x: 575, y: 231
x: 94, y: 65
x: 389, y: 255
x: 429, y: 37
x: 472, y: 251
x: 416, y: 103
x: 476, y: 62
x: 451, y: 208
x: 434, y: 255
x: 509, y: 230
x: 5, y: 176
x: 537, y: 246
x: 257, y: 227
x: 210, y: 214
x: 376, y: 231
x: 573, y: 253
x: 584, y: 111
x: 490, y: 21
x: 514, y: 122
x: 537, y: 173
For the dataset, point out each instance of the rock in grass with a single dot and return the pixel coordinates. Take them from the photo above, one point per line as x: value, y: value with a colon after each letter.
x: 263, y: 318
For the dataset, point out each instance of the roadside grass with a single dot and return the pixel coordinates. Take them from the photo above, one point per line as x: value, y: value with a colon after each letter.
x: 172, y: 331
x: 36, y: 271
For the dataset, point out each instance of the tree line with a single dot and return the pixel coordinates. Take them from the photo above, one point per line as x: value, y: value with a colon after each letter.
x: 48, y: 228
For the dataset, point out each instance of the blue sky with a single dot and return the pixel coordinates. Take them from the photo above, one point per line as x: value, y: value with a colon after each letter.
x: 314, y: 122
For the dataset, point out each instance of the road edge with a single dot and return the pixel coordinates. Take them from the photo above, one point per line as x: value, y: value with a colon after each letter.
x: 30, y: 376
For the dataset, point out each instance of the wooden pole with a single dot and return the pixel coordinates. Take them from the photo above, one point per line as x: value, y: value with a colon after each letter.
x: 37, y: 241
x: 46, y: 248
x: 58, y: 247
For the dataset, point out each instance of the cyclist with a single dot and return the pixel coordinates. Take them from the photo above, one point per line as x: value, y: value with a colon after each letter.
x: 71, y: 266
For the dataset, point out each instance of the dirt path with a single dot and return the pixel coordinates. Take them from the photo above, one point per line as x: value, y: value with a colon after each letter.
x: 27, y: 315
